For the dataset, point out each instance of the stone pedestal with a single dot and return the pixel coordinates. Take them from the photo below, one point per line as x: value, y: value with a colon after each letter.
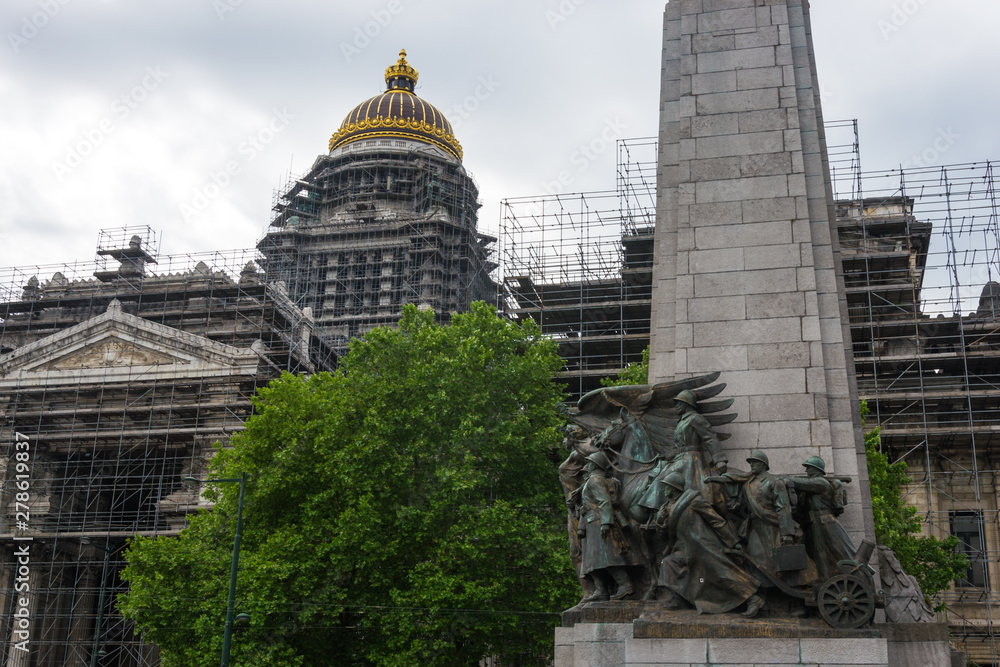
x: 611, y: 646
x: 660, y: 638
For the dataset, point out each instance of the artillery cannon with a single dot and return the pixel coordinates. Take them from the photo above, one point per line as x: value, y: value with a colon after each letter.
x: 846, y: 600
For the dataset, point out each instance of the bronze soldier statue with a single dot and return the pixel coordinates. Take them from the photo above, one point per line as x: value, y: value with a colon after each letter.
x: 606, y: 551
x: 572, y: 473
x: 636, y: 426
x: 696, y: 568
x: 769, y: 523
x: 826, y: 541
x: 697, y: 449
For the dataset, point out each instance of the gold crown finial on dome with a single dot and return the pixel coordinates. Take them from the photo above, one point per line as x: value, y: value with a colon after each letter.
x: 401, y: 76
x: 397, y: 113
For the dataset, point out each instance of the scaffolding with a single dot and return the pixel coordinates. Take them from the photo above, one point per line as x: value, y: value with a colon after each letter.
x: 114, y: 426
x: 920, y: 249
x: 123, y: 381
x: 921, y: 255
x: 843, y: 146
x: 126, y: 373
x: 581, y: 266
x: 374, y: 226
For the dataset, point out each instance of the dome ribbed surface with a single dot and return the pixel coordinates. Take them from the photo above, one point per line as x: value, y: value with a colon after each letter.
x: 399, y: 113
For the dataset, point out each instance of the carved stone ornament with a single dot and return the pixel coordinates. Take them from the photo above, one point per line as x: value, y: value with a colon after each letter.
x: 110, y: 352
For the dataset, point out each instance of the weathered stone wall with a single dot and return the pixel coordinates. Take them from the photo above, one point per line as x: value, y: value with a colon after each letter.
x: 747, y: 263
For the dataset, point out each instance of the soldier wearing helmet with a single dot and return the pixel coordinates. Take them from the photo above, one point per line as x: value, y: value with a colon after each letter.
x: 826, y: 541
x: 694, y: 433
x: 696, y: 568
x: 572, y: 473
x: 697, y: 449
x: 769, y: 523
x: 606, y: 551
x: 814, y: 466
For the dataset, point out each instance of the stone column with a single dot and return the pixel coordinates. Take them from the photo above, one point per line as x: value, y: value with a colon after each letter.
x: 747, y: 278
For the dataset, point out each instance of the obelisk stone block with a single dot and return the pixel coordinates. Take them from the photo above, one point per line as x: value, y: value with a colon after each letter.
x: 747, y: 276
x: 747, y: 282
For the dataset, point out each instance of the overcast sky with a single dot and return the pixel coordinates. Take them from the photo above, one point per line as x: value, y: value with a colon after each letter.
x: 118, y: 113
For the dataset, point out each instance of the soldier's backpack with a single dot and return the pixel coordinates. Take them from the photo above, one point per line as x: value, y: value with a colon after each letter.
x: 839, y: 496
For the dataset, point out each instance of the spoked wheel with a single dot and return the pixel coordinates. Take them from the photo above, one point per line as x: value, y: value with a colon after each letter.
x: 846, y: 601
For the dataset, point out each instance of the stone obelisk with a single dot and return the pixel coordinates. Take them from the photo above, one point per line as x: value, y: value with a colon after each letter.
x: 747, y: 261
x: 747, y: 281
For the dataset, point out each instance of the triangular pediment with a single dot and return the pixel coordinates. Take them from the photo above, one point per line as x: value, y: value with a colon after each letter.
x: 111, y: 351
x: 119, y: 342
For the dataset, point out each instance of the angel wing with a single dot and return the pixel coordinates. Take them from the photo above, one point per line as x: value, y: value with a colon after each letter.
x: 654, y: 406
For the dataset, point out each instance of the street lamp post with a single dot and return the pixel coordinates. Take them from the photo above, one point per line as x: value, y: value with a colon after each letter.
x: 227, y: 636
x: 100, y: 603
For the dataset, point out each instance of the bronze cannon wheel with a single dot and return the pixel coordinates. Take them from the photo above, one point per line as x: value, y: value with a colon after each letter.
x: 846, y: 601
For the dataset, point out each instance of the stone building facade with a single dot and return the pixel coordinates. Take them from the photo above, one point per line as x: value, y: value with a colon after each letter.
x: 121, y: 385
x: 123, y: 379
x: 388, y: 217
x: 930, y: 381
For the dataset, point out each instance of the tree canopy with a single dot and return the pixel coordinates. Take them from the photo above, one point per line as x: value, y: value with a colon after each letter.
x: 934, y: 562
x: 404, y: 510
x: 636, y: 373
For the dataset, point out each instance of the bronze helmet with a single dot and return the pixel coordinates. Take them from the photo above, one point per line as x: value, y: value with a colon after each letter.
x: 815, y: 462
x: 600, y: 459
x: 674, y: 479
x: 687, y: 396
x: 760, y: 456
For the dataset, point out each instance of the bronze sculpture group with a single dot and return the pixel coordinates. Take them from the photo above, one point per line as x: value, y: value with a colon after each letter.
x: 656, y: 513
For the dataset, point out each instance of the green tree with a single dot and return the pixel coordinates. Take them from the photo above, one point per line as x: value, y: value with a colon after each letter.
x: 637, y: 373
x: 403, y: 510
x: 934, y: 562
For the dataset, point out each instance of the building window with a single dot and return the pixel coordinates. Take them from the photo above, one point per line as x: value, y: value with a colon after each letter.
x: 968, y: 528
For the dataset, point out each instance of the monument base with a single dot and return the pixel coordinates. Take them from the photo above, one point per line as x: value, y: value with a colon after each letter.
x: 633, y: 634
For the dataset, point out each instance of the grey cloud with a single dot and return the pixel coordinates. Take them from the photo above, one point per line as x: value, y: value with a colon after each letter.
x: 561, y: 81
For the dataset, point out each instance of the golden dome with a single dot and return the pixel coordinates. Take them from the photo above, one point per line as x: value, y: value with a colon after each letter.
x: 398, y: 112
